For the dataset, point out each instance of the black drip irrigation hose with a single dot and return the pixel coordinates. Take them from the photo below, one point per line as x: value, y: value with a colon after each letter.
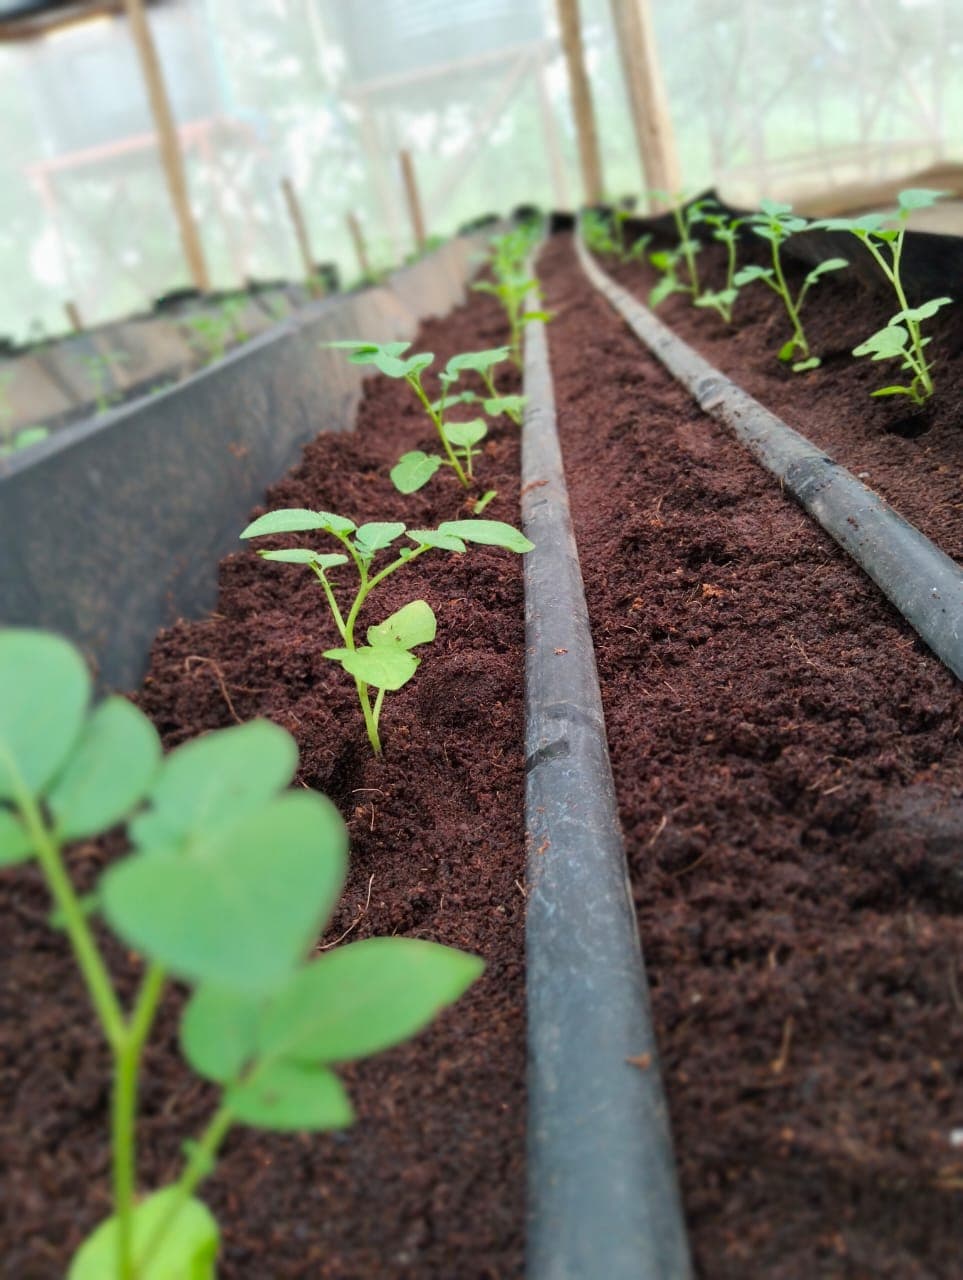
x: 924, y: 584
x: 602, y: 1193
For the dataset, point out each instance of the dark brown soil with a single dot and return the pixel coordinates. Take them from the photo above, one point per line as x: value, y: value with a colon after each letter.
x: 429, y: 1182
x: 910, y: 456
x: 790, y: 781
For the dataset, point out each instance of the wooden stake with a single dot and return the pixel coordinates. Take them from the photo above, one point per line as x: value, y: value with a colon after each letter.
x: 73, y: 316
x: 360, y: 248
x: 171, y: 157
x: 647, y: 100
x: 413, y: 199
x: 301, y: 232
x: 581, y: 91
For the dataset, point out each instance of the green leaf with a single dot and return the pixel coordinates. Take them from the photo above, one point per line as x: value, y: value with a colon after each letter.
x: 918, y: 198
x: 884, y: 344
x: 297, y: 520
x: 830, y: 264
x: 216, y: 779
x: 924, y: 311
x: 433, y: 538
x: 361, y: 347
x: 44, y: 694
x: 187, y: 1252
x: 291, y: 1096
x: 748, y: 274
x: 301, y: 555
x: 375, y: 536
x: 114, y: 762
x: 488, y: 496
x: 449, y: 402
x: 240, y: 906
x: 530, y: 316
x: 894, y: 391
x: 511, y: 405
x: 383, y: 668
x: 785, y: 352
x: 15, y: 844
x: 665, y: 287
x: 489, y: 533
x: 773, y: 208
x: 414, y: 623
x: 219, y: 1032
x: 476, y: 361
x: 363, y: 998
x: 801, y: 366
x: 413, y: 470
x: 664, y: 259
x: 465, y: 434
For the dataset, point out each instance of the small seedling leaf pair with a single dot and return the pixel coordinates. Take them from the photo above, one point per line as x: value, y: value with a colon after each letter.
x: 229, y: 880
x: 387, y: 662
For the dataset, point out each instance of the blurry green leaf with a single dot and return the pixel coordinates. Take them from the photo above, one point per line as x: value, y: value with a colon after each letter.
x: 44, y: 693
x: 488, y: 496
x: 512, y: 405
x: 801, y: 366
x: 894, y: 391
x: 748, y: 274
x: 297, y: 520
x: 432, y: 538
x: 15, y: 844
x: 290, y: 1096
x: 216, y: 779
x: 187, y: 1252
x: 375, y: 536
x: 413, y: 470
x: 923, y: 312
x: 363, y: 998
x: 465, y: 434
x: 219, y: 1032
x: 113, y: 764
x: 240, y: 906
x: 884, y: 344
x: 829, y: 264
x: 477, y: 361
x: 300, y: 555
x: 918, y: 198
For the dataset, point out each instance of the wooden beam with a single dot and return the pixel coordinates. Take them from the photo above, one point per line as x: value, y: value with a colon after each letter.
x: 74, y: 318
x: 413, y: 199
x: 553, y: 145
x: 300, y: 230
x: 171, y: 158
x: 581, y: 93
x: 360, y: 248
x: 635, y: 35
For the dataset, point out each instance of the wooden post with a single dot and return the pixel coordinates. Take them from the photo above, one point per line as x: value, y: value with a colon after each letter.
x: 73, y: 316
x: 654, y: 136
x: 360, y: 248
x: 413, y: 199
x: 580, y: 89
x: 171, y: 158
x: 301, y: 232
x: 553, y: 146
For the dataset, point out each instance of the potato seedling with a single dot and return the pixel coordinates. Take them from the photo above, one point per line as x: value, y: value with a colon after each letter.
x: 386, y: 662
x: 230, y: 880
x: 901, y: 338
x: 776, y: 223
x: 414, y: 469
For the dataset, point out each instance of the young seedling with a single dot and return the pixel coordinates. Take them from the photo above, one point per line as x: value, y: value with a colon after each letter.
x: 386, y: 662
x: 726, y: 231
x: 685, y: 218
x: 901, y: 338
x: 512, y: 292
x: 608, y: 238
x: 230, y: 881
x: 23, y: 439
x: 776, y: 223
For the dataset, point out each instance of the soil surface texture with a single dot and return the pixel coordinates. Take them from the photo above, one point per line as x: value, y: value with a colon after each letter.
x: 790, y: 780
x: 911, y: 456
x: 430, y: 1180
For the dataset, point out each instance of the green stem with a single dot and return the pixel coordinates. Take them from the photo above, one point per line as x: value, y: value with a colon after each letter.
x: 783, y: 290
x: 436, y: 418
x: 91, y: 963
x: 916, y: 358
x: 123, y: 1115
x: 198, y: 1166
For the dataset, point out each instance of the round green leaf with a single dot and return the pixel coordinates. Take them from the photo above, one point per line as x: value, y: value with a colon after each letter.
x: 15, y: 844
x: 365, y: 997
x: 464, y: 434
x: 432, y: 538
x: 219, y: 1032
x: 291, y: 1096
x: 216, y: 779
x: 489, y: 533
x: 477, y: 361
x: 239, y: 906
x: 374, y: 537
x: 187, y: 1252
x: 414, y: 623
x: 413, y: 470
x: 382, y: 668
x: 108, y: 773
x: 44, y: 693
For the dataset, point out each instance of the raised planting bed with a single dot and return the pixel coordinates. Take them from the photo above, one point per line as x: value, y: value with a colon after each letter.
x: 790, y: 783
x: 429, y: 1181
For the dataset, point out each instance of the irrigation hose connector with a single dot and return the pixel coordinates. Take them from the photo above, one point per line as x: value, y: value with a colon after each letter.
x: 602, y: 1190
x: 924, y: 584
